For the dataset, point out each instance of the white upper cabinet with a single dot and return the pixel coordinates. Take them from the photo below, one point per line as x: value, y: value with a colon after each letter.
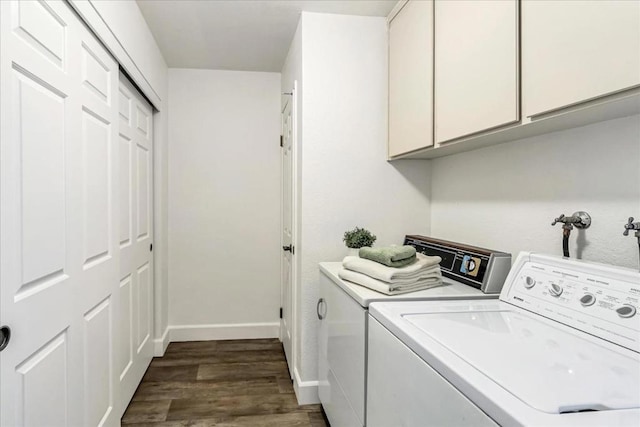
x: 476, y: 66
x: 575, y: 51
x: 411, y: 78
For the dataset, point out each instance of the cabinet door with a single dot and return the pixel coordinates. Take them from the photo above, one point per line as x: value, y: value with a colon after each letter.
x: 411, y: 78
x: 341, y: 362
x: 575, y: 51
x: 476, y: 66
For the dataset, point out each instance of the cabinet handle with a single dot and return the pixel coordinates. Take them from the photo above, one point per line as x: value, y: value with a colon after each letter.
x: 320, y: 302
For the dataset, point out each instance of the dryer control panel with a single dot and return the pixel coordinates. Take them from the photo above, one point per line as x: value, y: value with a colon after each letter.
x: 481, y: 268
x: 598, y: 299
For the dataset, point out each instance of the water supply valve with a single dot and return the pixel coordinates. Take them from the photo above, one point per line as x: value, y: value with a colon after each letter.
x: 580, y: 219
x: 630, y: 225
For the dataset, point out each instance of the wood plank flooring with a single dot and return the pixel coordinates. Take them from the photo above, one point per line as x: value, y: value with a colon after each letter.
x: 220, y: 383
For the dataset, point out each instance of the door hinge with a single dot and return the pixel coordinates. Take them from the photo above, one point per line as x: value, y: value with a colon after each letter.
x: 151, y: 247
x: 281, y: 312
x: 281, y: 141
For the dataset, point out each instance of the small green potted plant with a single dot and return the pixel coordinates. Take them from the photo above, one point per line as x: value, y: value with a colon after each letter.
x: 358, y: 238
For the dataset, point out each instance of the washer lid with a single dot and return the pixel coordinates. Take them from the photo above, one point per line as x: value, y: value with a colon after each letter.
x: 545, y: 365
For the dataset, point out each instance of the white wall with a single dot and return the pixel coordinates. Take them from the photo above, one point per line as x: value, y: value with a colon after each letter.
x: 505, y: 197
x: 346, y: 181
x: 224, y: 204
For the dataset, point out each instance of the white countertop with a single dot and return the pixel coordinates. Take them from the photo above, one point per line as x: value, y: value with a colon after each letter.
x: 451, y: 290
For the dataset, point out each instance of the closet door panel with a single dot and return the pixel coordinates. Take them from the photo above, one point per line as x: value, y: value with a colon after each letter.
x: 58, y: 259
x: 135, y: 345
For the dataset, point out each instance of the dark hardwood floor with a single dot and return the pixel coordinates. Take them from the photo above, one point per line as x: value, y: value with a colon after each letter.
x: 220, y: 383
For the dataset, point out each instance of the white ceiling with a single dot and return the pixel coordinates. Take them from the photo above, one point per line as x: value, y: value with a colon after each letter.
x: 249, y: 35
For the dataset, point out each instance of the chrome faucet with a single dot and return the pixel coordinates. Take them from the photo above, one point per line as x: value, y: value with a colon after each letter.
x: 581, y: 220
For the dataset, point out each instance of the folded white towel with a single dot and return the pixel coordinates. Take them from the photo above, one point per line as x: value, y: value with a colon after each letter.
x: 388, y: 288
x: 409, y: 279
x: 424, y: 267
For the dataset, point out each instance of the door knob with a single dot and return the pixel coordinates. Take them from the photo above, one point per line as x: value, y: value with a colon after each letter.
x: 289, y: 248
x: 5, y: 336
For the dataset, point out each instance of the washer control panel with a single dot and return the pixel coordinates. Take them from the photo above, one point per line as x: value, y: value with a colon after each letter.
x: 601, y: 300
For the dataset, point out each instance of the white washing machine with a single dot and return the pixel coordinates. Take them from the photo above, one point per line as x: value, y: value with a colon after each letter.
x: 560, y: 347
x: 470, y: 273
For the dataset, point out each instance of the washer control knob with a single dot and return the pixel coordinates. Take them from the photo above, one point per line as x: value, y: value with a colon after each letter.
x: 587, y: 300
x: 626, y: 310
x: 529, y: 282
x: 555, y: 290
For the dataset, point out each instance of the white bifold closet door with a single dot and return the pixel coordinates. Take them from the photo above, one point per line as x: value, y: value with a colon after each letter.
x: 135, y: 160
x: 73, y: 291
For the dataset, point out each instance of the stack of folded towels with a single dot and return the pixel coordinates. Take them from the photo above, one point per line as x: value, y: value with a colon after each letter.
x: 392, y: 270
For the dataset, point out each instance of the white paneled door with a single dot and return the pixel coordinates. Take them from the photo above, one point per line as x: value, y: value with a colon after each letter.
x: 63, y: 291
x: 286, y: 323
x: 134, y: 348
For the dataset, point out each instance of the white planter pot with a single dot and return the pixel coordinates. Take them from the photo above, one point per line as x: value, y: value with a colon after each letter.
x: 353, y: 251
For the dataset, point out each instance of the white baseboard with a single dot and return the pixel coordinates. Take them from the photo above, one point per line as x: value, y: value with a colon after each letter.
x: 306, y: 391
x: 160, y: 344
x: 239, y: 331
